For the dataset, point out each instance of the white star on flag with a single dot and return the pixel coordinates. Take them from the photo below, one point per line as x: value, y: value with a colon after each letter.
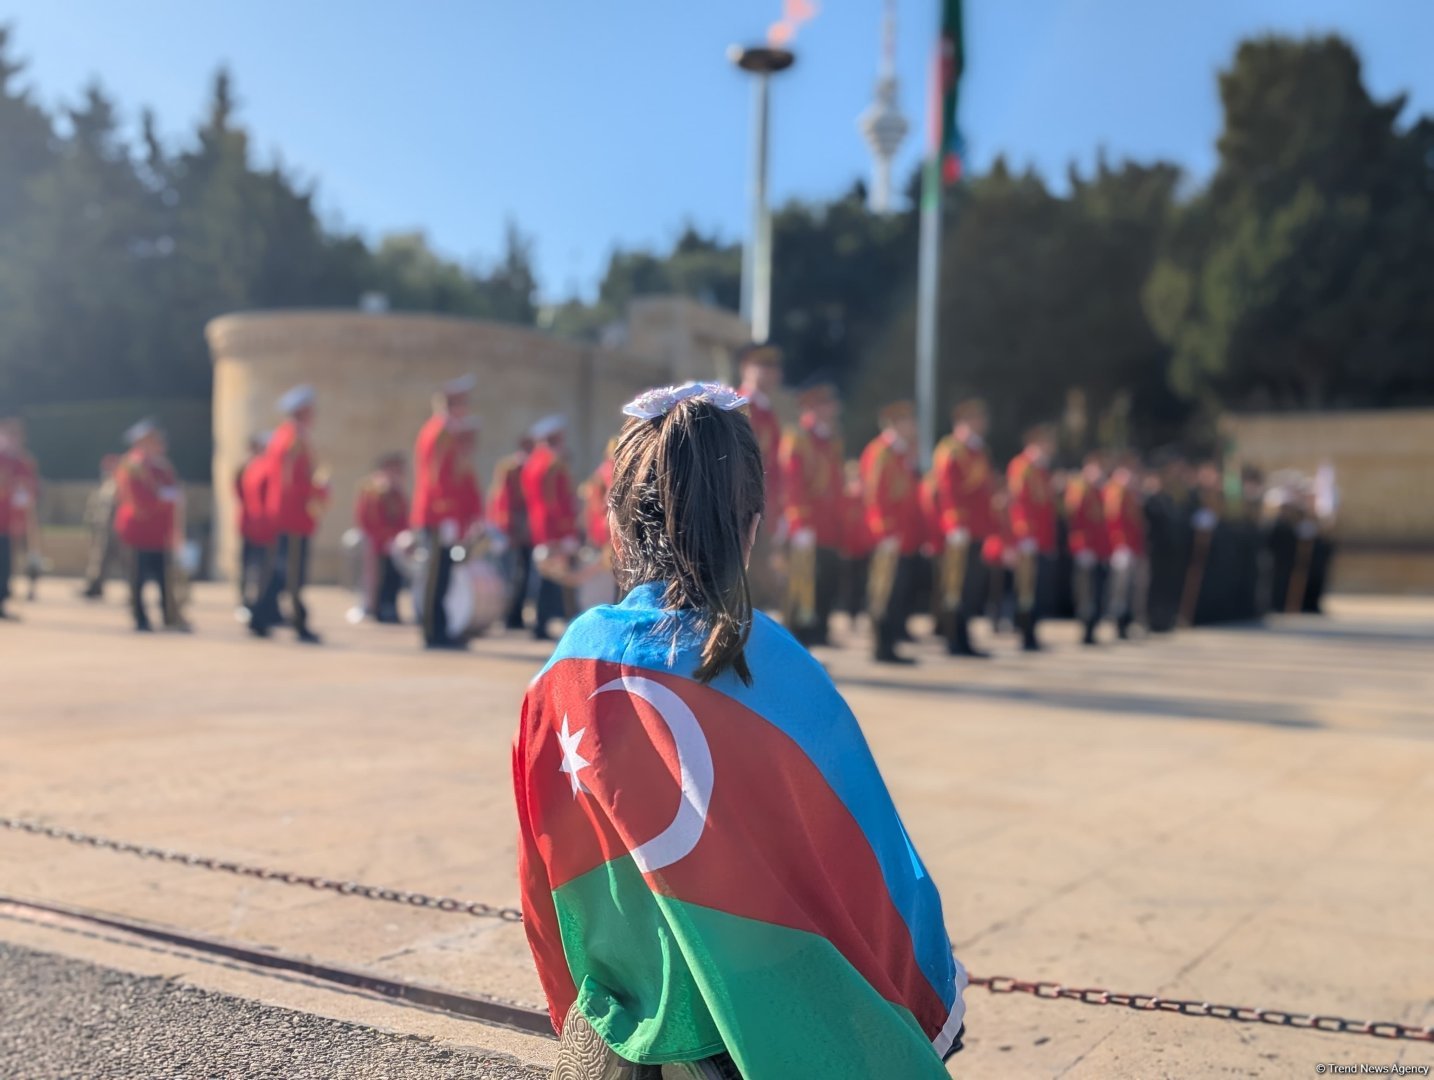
x: 572, y: 760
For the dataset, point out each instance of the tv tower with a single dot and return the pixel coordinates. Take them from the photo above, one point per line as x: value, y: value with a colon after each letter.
x: 882, y: 124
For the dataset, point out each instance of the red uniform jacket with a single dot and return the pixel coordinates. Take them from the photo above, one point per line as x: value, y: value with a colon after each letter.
x: 510, y: 513
x: 1033, y: 513
x: 291, y: 497
x: 1125, y: 518
x: 444, y: 487
x: 146, y: 492
x: 381, y: 511
x: 963, y: 488
x: 1001, y: 539
x: 19, y: 492
x: 595, y: 505
x: 889, y: 483
x: 768, y: 430
x: 251, y: 486
x: 812, y: 478
x: 1085, y: 519
x: 548, y: 494
x: 856, y: 540
x: 933, y: 536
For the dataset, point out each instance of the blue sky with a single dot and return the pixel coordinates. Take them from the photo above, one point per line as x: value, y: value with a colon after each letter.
x: 614, y: 123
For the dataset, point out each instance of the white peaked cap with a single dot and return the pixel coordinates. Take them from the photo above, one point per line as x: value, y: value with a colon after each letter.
x: 300, y: 397
x: 549, y: 426
x: 464, y: 384
x: 138, y: 431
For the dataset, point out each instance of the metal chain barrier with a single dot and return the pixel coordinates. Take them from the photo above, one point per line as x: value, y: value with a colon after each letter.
x: 264, y: 873
x: 1382, y: 1029
x: 996, y: 984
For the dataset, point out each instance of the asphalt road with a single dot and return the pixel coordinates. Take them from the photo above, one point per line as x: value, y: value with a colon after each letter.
x: 66, y: 1019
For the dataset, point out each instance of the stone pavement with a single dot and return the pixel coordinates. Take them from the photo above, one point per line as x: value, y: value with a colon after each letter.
x: 1236, y: 815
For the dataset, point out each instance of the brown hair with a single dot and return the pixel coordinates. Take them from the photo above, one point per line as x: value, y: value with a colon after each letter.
x: 686, y: 487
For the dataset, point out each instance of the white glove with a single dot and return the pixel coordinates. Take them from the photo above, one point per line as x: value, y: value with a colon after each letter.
x: 1028, y: 546
x: 1121, y: 558
x: 804, y: 539
x: 569, y: 545
x: 447, y: 532
x: 1204, y: 519
x: 169, y: 494
x: 20, y: 499
x: 1085, y: 558
x: 958, y: 538
x: 888, y: 544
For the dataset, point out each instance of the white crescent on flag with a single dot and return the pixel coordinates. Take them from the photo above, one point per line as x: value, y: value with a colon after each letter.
x: 694, y: 767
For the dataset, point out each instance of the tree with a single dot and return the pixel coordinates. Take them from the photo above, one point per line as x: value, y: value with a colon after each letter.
x: 1304, y: 276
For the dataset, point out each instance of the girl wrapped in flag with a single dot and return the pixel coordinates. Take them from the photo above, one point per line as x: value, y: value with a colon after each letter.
x: 714, y: 877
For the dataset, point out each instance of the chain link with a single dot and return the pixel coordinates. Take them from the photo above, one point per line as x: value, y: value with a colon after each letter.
x: 1382, y: 1029
x: 996, y: 984
x: 264, y: 873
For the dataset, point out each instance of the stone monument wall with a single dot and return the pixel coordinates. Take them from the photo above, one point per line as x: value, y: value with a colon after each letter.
x: 375, y: 375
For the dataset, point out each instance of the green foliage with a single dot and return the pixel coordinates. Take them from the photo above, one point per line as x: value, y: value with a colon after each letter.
x: 113, y: 257
x: 1304, y: 276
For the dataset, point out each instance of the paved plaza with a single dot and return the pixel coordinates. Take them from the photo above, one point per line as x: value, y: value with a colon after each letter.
x: 1236, y: 815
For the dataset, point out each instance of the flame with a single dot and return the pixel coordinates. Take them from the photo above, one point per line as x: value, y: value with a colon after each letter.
x: 794, y: 13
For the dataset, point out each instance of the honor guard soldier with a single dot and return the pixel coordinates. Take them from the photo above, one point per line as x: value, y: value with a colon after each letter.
x: 100, y: 523
x: 1088, y: 537
x: 445, y: 499
x: 256, y: 527
x: 295, y: 493
x: 1129, y: 565
x: 964, y: 488
x: 1033, y: 527
x: 893, y: 511
x: 16, y: 478
x: 594, y: 493
x: 510, y: 517
x: 381, y: 513
x: 552, y: 516
x: 22, y: 504
x: 147, y: 497
x: 812, y: 473
x: 760, y: 368
x: 856, y: 544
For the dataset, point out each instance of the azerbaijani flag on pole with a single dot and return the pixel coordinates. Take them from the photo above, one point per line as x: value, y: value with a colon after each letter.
x: 951, y: 63
x: 721, y: 867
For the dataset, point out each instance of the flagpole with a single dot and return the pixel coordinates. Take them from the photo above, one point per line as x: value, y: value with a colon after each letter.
x: 928, y: 291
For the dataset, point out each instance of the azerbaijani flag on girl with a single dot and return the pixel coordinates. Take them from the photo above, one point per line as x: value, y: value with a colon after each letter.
x: 721, y: 867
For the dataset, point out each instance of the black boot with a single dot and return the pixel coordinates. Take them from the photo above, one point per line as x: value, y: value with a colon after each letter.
x: 886, y: 649
x: 1089, y: 638
x: 1026, y: 623
x: 958, y: 643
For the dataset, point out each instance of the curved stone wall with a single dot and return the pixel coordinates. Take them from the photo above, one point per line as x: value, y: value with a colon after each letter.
x: 375, y: 375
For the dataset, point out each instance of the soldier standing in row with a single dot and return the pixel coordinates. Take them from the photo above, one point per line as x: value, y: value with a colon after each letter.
x: 1033, y: 527
x: 1089, y: 541
x: 14, y: 500
x: 552, y: 516
x: 381, y: 513
x: 256, y: 527
x: 295, y: 493
x: 1129, y: 565
x: 147, y: 494
x: 100, y: 522
x: 760, y: 367
x: 23, y: 502
x: 963, y: 486
x: 893, y: 511
x: 510, y: 517
x: 445, y: 500
x: 811, y: 471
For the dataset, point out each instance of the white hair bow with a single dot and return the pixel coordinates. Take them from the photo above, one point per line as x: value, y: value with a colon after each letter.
x: 660, y: 400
